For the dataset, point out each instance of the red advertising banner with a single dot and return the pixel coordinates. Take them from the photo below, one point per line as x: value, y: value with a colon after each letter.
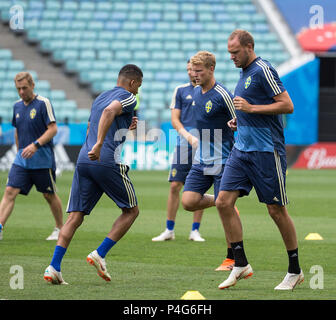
x: 318, y: 39
x: 317, y: 156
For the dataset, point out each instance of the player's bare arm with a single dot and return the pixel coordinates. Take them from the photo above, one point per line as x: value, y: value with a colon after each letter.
x: 106, y: 119
x: 16, y: 140
x: 30, y: 150
x: 88, y: 128
x: 282, y: 105
x: 178, y: 126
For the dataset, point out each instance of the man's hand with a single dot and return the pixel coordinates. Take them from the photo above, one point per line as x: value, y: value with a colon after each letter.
x: 94, y: 154
x: 134, y: 123
x: 29, y: 151
x: 232, y: 124
x: 242, y: 105
x: 193, y: 141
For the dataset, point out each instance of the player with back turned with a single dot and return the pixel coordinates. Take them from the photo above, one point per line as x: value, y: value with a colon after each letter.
x: 98, y: 170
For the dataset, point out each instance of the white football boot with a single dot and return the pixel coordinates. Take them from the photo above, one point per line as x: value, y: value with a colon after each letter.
x: 195, y: 236
x: 290, y: 281
x: 236, y: 274
x: 53, y: 276
x: 165, y: 235
x: 54, y: 234
x: 99, y: 263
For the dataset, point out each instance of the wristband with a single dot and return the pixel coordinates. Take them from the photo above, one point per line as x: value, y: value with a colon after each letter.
x: 37, y: 144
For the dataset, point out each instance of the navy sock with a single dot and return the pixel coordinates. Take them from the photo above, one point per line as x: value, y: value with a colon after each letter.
x: 230, y: 254
x: 293, y: 258
x: 170, y: 224
x: 57, y: 258
x: 1, y: 226
x: 195, y: 226
x: 105, y: 246
x: 239, y: 254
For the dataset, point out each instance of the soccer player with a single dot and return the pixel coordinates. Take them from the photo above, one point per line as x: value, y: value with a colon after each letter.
x: 183, y: 121
x: 258, y: 158
x: 34, y: 164
x: 213, y: 108
x: 98, y: 170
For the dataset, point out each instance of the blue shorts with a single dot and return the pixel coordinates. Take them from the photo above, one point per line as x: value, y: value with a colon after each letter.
x: 91, y: 181
x: 179, y: 172
x: 23, y: 179
x: 265, y: 171
x: 200, y: 179
x: 181, y: 164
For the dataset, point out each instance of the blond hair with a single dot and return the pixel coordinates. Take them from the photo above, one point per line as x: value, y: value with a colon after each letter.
x: 206, y: 58
x: 24, y: 75
x: 243, y: 36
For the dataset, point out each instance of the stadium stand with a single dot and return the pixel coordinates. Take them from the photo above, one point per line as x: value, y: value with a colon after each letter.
x: 65, y: 110
x: 93, y: 39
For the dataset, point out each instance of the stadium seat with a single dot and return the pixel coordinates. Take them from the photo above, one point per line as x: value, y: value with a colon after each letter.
x: 58, y: 95
x: 90, y: 37
x: 165, y: 115
x: 5, y: 54
x: 82, y: 115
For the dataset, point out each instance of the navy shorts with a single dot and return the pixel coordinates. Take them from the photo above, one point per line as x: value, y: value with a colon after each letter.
x: 181, y: 164
x: 265, y: 171
x: 201, y: 178
x: 179, y: 172
x: 91, y: 181
x: 23, y: 179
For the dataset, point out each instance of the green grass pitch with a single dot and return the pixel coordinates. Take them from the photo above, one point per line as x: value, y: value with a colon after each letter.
x: 143, y: 270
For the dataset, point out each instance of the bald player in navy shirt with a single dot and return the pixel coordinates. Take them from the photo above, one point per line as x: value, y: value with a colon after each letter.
x: 258, y: 158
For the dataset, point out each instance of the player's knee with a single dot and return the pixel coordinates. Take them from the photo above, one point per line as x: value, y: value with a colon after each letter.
x: 134, y: 212
x: 188, y: 206
x: 188, y: 203
x: 11, y: 193
x: 48, y: 196
x: 276, y: 212
x: 75, y: 219
x: 223, y: 204
x: 175, y: 187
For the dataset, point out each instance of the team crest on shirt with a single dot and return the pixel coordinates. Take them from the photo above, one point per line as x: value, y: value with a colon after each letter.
x: 173, y: 173
x: 32, y: 113
x: 248, y: 82
x: 208, y: 106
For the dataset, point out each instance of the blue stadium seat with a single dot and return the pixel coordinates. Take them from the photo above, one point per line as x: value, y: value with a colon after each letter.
x: 159, y: 55
x: 90, y: 37
x: 82, y: 115
x: 5, y: 54
x: 165, y: 115
x: 58, y: 95
x: 88, y: 6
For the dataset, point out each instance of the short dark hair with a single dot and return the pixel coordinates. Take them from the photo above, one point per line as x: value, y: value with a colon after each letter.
x: 131, y: 71
x: 243, y: 36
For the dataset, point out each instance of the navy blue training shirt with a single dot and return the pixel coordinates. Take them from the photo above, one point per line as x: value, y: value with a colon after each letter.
x: 116, y: 135
x: 258, y: 84
x: 31, y: 122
